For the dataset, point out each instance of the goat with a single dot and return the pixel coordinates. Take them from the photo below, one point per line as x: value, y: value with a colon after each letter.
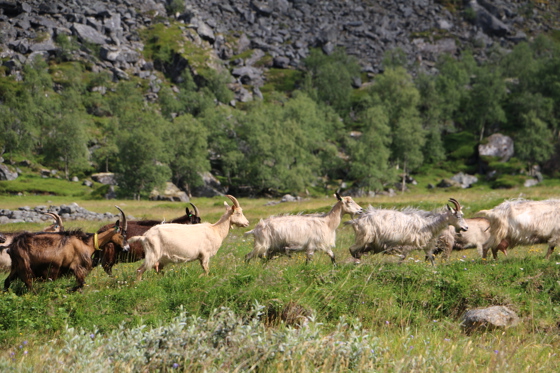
x: 178, y: 243
x: 292, y: 233
x: 5, y: 261
x: 49, y: 255
x: 524, y: 222
x: 110, y: 254
x: 477, y: 237
x: 379, y: 229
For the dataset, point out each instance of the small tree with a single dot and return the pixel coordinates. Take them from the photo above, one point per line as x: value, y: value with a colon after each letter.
x: 188, y: 147
x: 370, y: 153
x: 67, y: 143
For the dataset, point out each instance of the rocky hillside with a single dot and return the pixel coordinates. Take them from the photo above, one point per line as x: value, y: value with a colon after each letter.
x: 279, y: 33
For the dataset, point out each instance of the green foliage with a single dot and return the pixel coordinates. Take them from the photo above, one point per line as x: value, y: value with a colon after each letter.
x: 400, y: 98
x: 460, y: 145
x: 161, y: 42
x: 33, y: 184
x: 67, y: 143
x: 285, y: 149
x: 281, y: 80
x: 534, y: 143
x: 394, y: 58
x: 370, y: 153
x: 512, y: 167
x: 66, y: 46
x: 508, y: 181
x: 296, y: 144
x: 175, y: 6
x: 186, y: 142
x: 332, y: 77
x: 216, y: 83
x: 142, y: 156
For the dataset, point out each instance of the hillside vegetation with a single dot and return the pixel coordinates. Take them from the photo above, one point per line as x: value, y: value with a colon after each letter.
x: 311, y: 131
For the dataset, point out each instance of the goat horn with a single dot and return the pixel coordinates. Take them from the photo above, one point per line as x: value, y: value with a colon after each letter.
x: 456, y: 203
x: 234, y: 200
x: 124, y: 223
x: 195, y: 209
x: 56, y: 218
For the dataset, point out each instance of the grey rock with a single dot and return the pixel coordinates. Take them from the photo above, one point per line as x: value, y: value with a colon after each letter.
x: 281, y: 62
x: 211, y: 188
x: 447, y: 183
x: 88, y: 34
x: 205, y: 32
x: 104, y: 178
x: 289, y: 198
x: 497, y: 145
x: 489, y: 23
x: 248, y: 75
x: 243, y: 44
x: 171, y: 193
x: 530, y: 183
x: 46, y: 46
x: 6, y: 173
x: 465, y: 180
x: 489, y: 318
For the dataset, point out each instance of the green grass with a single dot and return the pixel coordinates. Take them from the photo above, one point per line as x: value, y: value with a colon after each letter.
x: 408, y: 313
x: 29, y: 184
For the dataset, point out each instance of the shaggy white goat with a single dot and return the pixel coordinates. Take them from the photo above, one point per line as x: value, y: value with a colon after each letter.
x: 309, y: 233
x: 177, y: 243
x: 379, y: 229
x: 524, y: 222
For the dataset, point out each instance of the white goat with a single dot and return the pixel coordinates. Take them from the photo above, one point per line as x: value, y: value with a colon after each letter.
x: 478, y: 236
x: 177, y: 243
x: 524, y: 222
x: 309, y: 233
x: 380, y: 229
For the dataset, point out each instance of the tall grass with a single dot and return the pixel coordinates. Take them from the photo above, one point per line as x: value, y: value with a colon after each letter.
x: 286, y: 315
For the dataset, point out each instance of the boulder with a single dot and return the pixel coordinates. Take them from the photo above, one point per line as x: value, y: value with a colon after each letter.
x: 497, y: 145
x: 488, y: 22
x: 530, y: 183
x: 211, y: 188
x: 107, y: 178
x: 464, y: 180
x: 170, y: 193
x: 489, y: 318
x: 88, y: 34
x: 205, y: 32
x: 6, y: 173
x: 447, y: 183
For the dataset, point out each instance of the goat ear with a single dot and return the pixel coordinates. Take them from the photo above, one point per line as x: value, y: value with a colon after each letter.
x: 449, y: 208
x: 338, y: 197
x: 117, y: 226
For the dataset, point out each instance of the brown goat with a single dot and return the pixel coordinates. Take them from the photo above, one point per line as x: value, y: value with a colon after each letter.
x: 110, y: 254
x: 49, y: 255
x: 5, y: 261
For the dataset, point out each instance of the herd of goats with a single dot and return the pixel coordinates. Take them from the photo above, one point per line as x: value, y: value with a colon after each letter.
x: 55, y: 252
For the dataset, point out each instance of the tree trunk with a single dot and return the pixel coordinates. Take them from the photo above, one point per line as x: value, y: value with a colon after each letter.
x: 403, y: 185
x: 66, y: 167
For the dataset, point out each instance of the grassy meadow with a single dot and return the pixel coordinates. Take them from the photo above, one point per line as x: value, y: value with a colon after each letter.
x: 287, y: 315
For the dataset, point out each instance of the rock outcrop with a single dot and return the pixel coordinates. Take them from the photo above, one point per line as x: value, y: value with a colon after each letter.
x: 283, y: 30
